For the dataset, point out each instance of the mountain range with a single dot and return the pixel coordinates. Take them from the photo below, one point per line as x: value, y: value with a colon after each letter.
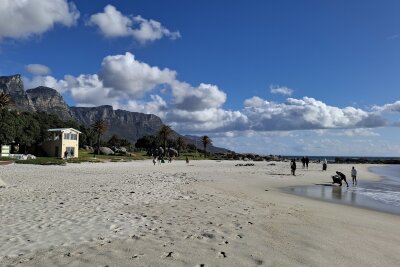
x: 125, y: 124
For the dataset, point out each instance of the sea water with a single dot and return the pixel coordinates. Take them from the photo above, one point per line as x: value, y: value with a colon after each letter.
x: 383, y: 195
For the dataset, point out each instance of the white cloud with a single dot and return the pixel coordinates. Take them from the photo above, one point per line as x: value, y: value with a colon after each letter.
x: 156, y: 105
x: 49, y: 81
x: 127, y: 83
x: 282, y: 90
x: 112, y: 23
x: 392, y: 107
x: 131, y: 78
x: 207, y: 120
x: 37, y: 69
x: 88, y: 90
x: 205, y: 96
x: 23, y: 18
x: 305, y: 113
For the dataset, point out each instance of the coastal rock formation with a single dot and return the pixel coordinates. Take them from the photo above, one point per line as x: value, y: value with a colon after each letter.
x: 14, y: 86
x: 125, y: 124
x: 49, y: 100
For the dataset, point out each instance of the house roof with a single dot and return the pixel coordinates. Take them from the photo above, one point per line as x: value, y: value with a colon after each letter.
x: 62, y: 130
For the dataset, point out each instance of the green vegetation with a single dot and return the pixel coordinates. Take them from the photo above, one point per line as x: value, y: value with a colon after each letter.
x: 205, y: 140
x: 42, y: 161
x: 99, y: 127
x: 164, y: 134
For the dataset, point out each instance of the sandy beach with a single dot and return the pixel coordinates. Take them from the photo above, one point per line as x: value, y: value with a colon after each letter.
x: 205, y: 213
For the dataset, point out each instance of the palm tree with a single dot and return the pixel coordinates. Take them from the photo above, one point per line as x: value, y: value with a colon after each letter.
x: 180, y: 143
x: 99, y: 127
x: 164, y: 133
x: 206, y: 141
x: 5, y: 100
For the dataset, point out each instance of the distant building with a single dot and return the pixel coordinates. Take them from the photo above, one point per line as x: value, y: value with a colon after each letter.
x: 63, y: 141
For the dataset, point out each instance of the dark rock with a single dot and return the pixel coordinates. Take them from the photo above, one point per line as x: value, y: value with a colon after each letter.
x: 14, y: 86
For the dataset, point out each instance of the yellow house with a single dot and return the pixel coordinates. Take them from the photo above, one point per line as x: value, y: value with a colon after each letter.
x: 64, y: 142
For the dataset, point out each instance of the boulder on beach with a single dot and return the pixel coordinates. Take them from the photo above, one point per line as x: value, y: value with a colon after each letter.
x: 106, y: 151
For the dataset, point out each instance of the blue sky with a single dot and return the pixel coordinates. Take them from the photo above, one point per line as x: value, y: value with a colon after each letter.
x: 279, y: 77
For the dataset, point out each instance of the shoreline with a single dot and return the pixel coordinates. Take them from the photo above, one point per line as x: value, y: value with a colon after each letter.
x: 314, y: 192
x: 208, y: 212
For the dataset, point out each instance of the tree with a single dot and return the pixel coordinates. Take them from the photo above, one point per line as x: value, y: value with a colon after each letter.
x: 99, y: 127
x: 164, y: 133
x: 205, y: 140
x: 181, y: 143
x: 5, y: 100
x: 148, y: 143
x: 8, y: 126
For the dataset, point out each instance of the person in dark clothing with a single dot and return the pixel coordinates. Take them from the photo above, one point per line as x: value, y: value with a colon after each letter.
x: 339, y: 178
x: 303, y: 161
x: 307, y: 160
x: 293, y: 167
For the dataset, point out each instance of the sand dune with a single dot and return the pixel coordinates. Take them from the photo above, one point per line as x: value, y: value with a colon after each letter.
x: 206, y: 214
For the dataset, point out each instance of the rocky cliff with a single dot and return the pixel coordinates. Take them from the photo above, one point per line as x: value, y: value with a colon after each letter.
x: 125, y: 124
x: 14, y: 86
x: 49, y: 100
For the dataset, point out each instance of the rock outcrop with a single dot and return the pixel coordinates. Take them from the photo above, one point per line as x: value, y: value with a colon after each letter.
x: 125, y: 124
x: 14, y: 86
x: 49, y: 100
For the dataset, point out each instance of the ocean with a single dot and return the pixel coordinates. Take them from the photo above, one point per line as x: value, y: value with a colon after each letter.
x: 383, y: 195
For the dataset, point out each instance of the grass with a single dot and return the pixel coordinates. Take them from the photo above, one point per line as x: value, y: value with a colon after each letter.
x: 42, y: 161
x: 86, y: 156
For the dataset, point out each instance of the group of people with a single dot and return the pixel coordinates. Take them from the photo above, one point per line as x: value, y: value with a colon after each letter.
x: 160, y: 159
x: 339, y: 177
x: 305, y: 161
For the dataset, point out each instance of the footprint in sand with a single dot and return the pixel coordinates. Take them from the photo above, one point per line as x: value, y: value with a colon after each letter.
x: 222, y: 255
x: 169, y: 254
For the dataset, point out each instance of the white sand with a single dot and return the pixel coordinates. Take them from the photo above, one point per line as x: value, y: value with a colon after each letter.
x: 210, y: 213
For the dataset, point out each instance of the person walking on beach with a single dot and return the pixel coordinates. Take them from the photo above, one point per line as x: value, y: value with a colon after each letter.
x: 293, y: 167
x: 187, y: 160
x: 303, y: 162
x: 354, y: 175
x: 324, y: 165
x: 307, y: 160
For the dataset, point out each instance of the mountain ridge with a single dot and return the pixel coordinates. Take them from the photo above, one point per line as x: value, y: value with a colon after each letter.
x: 126, y: 124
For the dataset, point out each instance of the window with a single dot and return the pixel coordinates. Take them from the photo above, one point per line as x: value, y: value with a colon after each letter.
x: 66, y: 136
x: 74, y: 137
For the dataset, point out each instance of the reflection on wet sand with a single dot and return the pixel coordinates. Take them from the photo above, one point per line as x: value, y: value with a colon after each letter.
x: 355, y: 196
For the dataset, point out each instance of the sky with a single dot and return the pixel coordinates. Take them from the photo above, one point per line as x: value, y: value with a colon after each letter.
x: 290, y: 77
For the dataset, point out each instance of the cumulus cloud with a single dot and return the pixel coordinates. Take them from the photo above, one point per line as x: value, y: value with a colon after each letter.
x: 392, y: 107
x: 132, y: 78
x: 22, y: 18
x: 127, y: 83
x: 88, y: 90
x: 37, y: 69
x: 282, y: 90
x: 207, y: 120
x: 205, y: 96
x: 112, y: 23
x: 49, y: 81
x: 306, y: 113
